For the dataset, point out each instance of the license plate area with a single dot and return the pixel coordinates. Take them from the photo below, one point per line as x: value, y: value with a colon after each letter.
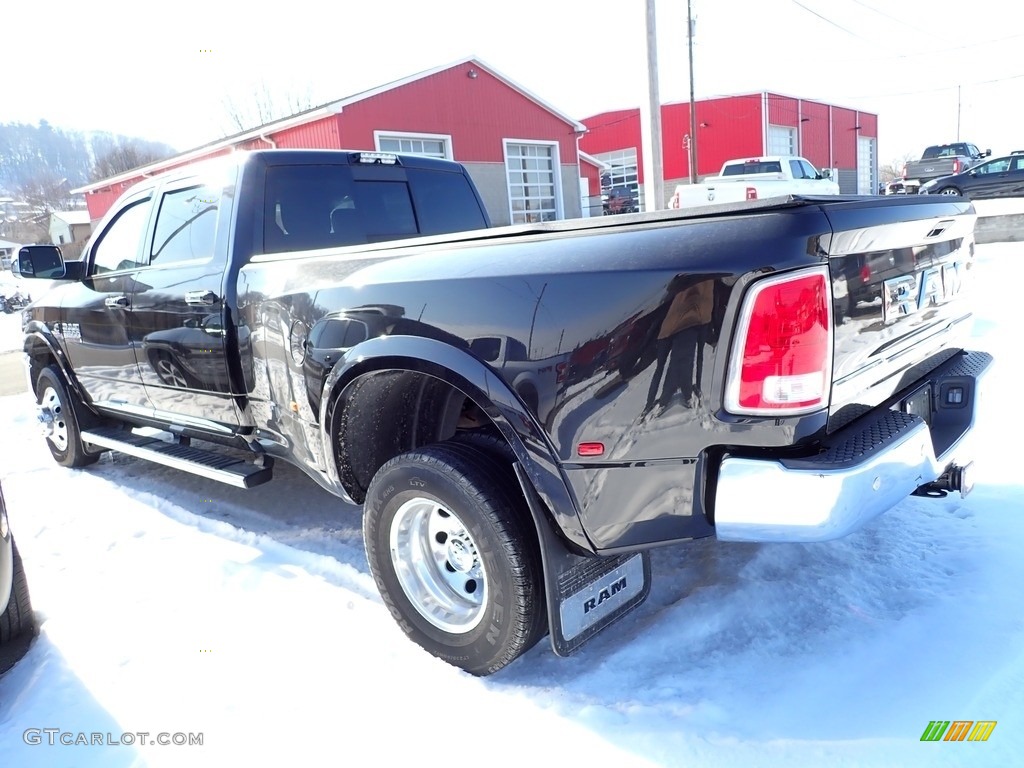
x: 919, y: 403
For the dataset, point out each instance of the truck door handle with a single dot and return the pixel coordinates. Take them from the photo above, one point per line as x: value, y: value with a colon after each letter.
x: 116, y: 302
x: 203, y: 298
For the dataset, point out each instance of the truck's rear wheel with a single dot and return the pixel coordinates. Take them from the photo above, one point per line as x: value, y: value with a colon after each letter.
x: 454, y: 556
x: 61, y: 419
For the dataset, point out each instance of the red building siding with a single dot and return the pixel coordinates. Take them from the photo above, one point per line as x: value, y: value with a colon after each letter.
x: 868, y: 124
x: 732, y: 127
x: 814, y: 134
x: 726, y: 129
x: 783, y: 110
x: 610, y: 131
x: 844, y: 138
x: 319, y: 134
x: 476, y: 112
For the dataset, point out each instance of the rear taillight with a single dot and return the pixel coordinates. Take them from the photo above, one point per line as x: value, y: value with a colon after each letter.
x: 956, y: 166
x: 751, y: 193
x: 903, y: 173
x: 674, y: 202
x: 781, y: 360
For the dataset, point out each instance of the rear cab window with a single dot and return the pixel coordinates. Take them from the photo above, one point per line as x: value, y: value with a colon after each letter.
x: 753, y: 166
x: 322, y: 206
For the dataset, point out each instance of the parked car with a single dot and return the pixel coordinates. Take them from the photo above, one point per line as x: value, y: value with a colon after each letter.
x: 1002, y: 177
x: 620, y: 200
x: 17, y: 626
x: 941, y: 160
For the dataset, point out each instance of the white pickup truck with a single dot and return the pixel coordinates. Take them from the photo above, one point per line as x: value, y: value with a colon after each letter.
x: 755, y: 178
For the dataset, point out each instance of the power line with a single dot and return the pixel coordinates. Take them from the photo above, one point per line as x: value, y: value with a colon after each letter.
x: 886, y: 15
x: 833, y: 23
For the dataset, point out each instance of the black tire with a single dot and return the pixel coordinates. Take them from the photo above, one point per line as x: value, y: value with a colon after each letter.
x: 495, y: 607
x: 490, y: 443
x: 69, y: 417
x: 17, y: 624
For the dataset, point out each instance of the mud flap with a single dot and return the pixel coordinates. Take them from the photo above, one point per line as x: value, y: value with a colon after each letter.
x: 584, y: 594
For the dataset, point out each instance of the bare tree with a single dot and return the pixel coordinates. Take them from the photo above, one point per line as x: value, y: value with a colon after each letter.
x: 115, y: 155
x: 894, y: 168
x: 263, y: 106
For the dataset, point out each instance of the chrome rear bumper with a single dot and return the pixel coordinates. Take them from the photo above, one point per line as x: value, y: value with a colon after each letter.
x: 868, y: 468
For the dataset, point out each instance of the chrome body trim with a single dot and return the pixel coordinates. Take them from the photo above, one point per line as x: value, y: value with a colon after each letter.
x: 171, y: 419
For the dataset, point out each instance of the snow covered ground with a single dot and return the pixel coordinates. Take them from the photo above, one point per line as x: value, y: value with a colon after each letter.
x: 173, y: 605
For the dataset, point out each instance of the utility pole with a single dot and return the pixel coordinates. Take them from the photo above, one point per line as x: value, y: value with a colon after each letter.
x: 650, y: 119
x: 693, y: 103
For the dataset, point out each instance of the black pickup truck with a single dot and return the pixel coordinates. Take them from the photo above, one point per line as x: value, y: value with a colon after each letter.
x: 731, y: 372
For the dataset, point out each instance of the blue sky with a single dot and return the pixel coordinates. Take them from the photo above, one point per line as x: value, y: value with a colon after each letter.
x: 116, y: 67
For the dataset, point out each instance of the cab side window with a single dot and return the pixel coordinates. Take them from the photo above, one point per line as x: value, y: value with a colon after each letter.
x: 186, y: 225
x: 121, y: 244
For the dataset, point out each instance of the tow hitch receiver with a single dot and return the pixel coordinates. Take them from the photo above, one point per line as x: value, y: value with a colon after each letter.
x: 955, y: 478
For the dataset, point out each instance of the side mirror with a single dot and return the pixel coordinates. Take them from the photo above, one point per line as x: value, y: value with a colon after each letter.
x: 41, y: 261
x: 826, y: 173
x: 987, y: 153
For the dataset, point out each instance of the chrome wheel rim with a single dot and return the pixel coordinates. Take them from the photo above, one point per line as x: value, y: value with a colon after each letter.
x: 949, y: 192
x: 438, y: 565
x: 170, y: 373
x: 52, y: 419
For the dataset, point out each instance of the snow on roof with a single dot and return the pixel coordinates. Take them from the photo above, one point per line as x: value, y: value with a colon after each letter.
x: 72, y: 217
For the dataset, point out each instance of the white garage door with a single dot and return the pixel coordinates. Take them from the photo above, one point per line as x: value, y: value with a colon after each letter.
x: 867, y: 183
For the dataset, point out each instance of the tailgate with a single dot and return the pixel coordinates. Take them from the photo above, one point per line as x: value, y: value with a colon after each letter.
x: 900, y: 269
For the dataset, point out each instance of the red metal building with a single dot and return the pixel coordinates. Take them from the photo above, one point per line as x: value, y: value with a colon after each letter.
x: 521, y: 152
x: 737, y: 126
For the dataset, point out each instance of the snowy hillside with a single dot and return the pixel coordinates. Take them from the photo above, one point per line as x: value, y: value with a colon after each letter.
x: 173, y: 604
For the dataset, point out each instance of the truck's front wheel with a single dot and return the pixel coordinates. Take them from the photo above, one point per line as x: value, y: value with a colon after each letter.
x: 61, y: 420
x: 454, y: 556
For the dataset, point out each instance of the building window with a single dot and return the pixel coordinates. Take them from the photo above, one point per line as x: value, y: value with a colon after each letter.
x: 781, y: 140
x: 425, y: 144
x: 622, y: 170
x: 533, y: 183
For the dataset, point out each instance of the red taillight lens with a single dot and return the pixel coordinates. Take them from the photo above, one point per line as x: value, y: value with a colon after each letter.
x: 751, y: 193
x: 956, y: 166
x: 561, y: 372
x: 782, y: 354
